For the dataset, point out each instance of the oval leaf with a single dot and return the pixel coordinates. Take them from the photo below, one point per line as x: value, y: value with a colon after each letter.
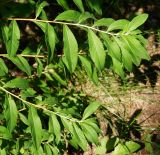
x: 36, y: 127
x: 13, y: 40
x: 63, y: 3
x: 50, y: 41
x: 39, y: 8
x: 70, y: 49
x: 137, y: 21
x: 96, y: 49
x: 69, y: 15
x: 90, y: 109
x: 11, y: 113
x: 79, y: 5
x: 104, y: 22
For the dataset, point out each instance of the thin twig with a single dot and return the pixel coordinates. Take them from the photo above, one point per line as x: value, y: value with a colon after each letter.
x: 25, y: 55
x: 39, y: 107
x: 62, y: 23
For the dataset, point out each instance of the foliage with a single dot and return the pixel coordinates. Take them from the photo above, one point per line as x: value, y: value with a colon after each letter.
x: 41, y: 112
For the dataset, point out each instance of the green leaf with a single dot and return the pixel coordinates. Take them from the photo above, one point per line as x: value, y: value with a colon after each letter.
x: 104, y: 22
x: 69, y: 15
x: 50, y: 40
x: 95, y: 6
x: 126, y: 149
x: 89, y: 133
x: 95, y: 76
x: 3, y: 68
x: 112, y: 46
x: 13, y: 40
x: 40, y: 7
x: 118, y: 24
x: 4, y: 133
x: 63, y: 3
x: 70, y: 49
x: 47, y: 149
x: 23, y: 119
x: 57, y: 77
x: 17, y: 83
x: 36, y: 127
x: 41, y: 25
x: 137, y: 48
x: 11, y: 113
x: 90, y: 109
x: 21, y: 63
x: 54, y: 127
x: 80, y: 138
x: 96, y: 49
x: 79, y: 5
x: 87, y: 65
x: 84, y: 16
x: 5, y: 33
x: 118, y: 68
x: 39, y: 67
x: 137, y: 21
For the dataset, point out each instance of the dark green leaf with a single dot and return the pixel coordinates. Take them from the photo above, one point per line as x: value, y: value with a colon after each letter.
x: 70, y: 15
x: 91, y: 109
x: 96, y: 49
x: 11, y: 113
x: 17, y: 83
x: 70, y: 49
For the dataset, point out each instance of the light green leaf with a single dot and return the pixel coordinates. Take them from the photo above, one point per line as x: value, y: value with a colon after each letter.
x: 39, y: 67
x: 17, y: 83
x: 137, y: 48
x: 90, y: 109
x: 96, y: 49
x: 63, y: 3
x: 80, y: 138
x: 40, y: 7
x: 118, y: 25
x: 95, y: 76
x: 89, y: 133
x: 54, y: 127
x: 104, y: 22
x: 137, y: 21
x: 11, y: 113
x: 118, y: 68
x: 36, y: 127
x: 126, y: 149
x: 50, y: 40
x: 70, y: 49
x: 5, y: 33
x: 87, y: 65
x: 4, y: 133
x: 13, y: 40
x: 21, y: 63
x: 3, y: 68
x: 23, y: 119
x: 41, y: 25
x: 47, y: 149
x: 79, y: 5
x: 84, y: 16
x: 69, y: 15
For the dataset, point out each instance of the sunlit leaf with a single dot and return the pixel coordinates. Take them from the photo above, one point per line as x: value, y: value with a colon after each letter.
x: 63, y: 3
x: 50, y: 40
x: 104, y: 22
x: 11, y: 113
x: 91, y: 109
x: 70, y: 49
x: 54, y: 127
x: 13, y: 40
x: 4, y: 133
x: 40, y: 7
x: 69, y: 15
x: 79, y: 5
x: 84, y: 16
x: 96, y: 50
x: 36, y: 128
x: 137, y: 21
x: 17, y: 83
